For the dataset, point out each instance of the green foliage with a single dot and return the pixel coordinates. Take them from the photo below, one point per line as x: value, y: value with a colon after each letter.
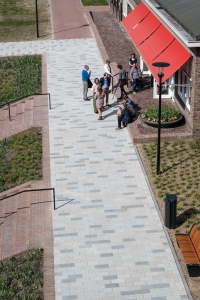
x: 167, y: 114
x: 180, y: 175
x: 20, y: 159
x: 21, y: 276
x: 94, y: 2
x: 19, y: 76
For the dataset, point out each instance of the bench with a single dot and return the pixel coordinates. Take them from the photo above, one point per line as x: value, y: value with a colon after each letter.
x: 190, y: 248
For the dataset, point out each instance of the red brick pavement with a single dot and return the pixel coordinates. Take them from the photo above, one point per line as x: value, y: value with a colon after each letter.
x: 69, y: 20
x: 26, y: 219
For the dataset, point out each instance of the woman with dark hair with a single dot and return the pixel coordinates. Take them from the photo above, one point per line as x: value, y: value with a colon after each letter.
x: 132, y: 60
x: 100, y: 95
x: 121, y: 81
x: 94, y: 90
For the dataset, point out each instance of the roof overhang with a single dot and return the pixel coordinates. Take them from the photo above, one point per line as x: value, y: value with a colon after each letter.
x: 188, y: 43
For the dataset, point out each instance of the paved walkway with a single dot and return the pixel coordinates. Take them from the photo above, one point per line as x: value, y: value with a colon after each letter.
x: 108, y: 239
x: 69, y: 20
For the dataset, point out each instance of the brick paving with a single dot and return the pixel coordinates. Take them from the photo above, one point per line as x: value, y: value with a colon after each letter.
x: 26, y: 219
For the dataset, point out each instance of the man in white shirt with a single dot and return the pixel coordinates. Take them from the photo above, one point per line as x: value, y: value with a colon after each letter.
x: 107, y: 68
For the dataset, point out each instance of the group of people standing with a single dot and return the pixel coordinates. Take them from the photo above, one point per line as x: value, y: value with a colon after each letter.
x: 100, y: 88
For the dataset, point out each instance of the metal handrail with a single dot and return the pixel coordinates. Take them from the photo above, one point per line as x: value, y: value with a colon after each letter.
x: 13, y: 101
x: 34, y: 190
x: 116, y: 75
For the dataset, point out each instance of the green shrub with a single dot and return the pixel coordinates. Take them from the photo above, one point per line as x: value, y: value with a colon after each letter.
x: 167, y: 114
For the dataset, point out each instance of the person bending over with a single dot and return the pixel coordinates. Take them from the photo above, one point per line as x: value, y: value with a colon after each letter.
x: 125, y: 117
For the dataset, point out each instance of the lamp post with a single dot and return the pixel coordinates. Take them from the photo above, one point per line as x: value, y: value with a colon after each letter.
x: 160, y: 66
x: 36, y: 15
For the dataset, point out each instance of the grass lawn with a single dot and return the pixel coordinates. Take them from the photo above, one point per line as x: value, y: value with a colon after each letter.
x: 19, y: 76
x: 20, y: 160
x: 17, y: 20
x: 94, y: 2
x: 180, y: 175
x: 21, y: 276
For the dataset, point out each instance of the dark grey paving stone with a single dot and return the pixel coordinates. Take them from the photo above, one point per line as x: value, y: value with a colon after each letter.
x: 95, y: 226
x: 58, y: 229
x: 76, y: 219
x: 110, y: 277
x: 111, y: 285
x: 68, y: 280
x: 158, y: 250
x: 105, y: 266
x: 138, y: 263
x: 108, y: 231
x: 75, y: 276
x: 126, y: 293
x: 106, y: 254
x: 157, y: 269
x: 141, y: 217
x: 88, y: 236
x: 118, y: 247
x: 67, y: 251
x: 129, y: 240
x: 137, y: 226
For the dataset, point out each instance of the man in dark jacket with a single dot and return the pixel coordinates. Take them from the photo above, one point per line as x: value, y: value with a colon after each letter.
x: 125, y: 116
x: 135, y: 74
x: 121, y: 81
x: 105, y: 83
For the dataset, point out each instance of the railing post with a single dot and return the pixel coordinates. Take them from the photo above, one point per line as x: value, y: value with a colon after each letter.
x: 112, y: 84
x: 36, y: 13
x: 49, y: 100
x: 9, y: 111
x: 116, y: 7
x: 54, y: 200
x: 121, y: 13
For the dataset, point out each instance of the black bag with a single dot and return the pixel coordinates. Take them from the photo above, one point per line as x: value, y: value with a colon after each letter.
x: 89, y: 83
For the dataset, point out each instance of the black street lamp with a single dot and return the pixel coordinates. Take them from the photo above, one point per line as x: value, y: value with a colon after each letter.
x: 160, y: 66
x: 36, y: 15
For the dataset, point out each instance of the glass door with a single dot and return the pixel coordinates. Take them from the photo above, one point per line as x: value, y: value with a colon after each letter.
x: 167, y: 90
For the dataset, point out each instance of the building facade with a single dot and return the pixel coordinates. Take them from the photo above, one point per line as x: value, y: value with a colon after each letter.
x: 169, y: 31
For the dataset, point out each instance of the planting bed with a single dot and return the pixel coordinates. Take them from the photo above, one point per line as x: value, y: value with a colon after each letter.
x: 21, y: 276
x: 19, y: 77
x: 180, y: 175
x: 20, y: 160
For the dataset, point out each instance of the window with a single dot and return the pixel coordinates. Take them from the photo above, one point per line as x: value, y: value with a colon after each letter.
x: 184, y: 83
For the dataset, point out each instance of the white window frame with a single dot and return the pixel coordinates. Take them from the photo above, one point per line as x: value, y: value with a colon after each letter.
x: 184, y: 83
x: 170, y: 83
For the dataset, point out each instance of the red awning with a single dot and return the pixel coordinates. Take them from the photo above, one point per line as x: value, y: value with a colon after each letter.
x: 144, y: 29
x: 135, y: 16
x: 156, y: 44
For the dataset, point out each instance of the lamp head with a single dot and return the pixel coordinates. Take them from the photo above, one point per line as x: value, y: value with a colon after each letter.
x: 160, y: 67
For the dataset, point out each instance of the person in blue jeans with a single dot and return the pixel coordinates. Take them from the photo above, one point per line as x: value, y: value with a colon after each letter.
x: 134, y: 76
x: 85, y: 76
